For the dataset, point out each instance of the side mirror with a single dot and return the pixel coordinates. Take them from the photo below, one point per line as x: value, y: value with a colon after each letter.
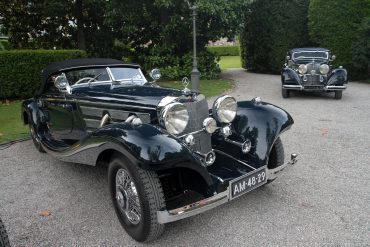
x: 333, y: 57
x: 62, y: 84
x: 155, y: 74
x: 288, y: 58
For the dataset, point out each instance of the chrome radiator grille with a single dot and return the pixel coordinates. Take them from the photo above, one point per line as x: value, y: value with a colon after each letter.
x: 198, y: 111
x: 313, y: 75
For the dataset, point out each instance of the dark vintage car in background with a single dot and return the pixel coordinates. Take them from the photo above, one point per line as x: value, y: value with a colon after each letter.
x: 4, y: 240
x: 170, y: 156
x: 309, y: 69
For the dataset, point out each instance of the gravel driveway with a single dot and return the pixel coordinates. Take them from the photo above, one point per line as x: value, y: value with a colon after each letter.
x: 323, y: 200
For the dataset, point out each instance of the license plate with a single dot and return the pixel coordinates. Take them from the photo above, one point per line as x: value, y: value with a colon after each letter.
x: 248, y: 182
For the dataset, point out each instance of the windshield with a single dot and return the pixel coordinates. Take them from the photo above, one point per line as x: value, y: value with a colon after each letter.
x: 99, y: 76
x: 310, y: 55
x: 127, y: 74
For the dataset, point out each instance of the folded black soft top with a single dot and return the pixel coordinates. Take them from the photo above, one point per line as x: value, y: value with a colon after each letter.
x: 71, y: 64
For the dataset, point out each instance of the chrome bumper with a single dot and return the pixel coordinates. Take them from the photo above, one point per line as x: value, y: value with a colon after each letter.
x: 335, y: 87
x: 166, y: 216
x: 296, y: 87
x: 327, y: 88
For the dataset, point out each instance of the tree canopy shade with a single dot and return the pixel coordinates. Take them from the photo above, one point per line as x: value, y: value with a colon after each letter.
x: 272, y: 27
x: 58, y: 23
x: 161, y: 29
x: 168, y: 23
x: 336, y: 24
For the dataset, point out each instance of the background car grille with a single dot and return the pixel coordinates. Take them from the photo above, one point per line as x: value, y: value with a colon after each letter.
x: 313, y: 75
x: 198, y: 111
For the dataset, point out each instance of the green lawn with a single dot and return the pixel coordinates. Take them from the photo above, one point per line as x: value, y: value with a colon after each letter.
x: 11, y: 125
x: 227, y: 62
x: 208, y: 87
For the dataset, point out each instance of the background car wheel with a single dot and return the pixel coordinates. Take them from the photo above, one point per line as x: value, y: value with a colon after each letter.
x: 338, y: 95
x: 35, y: 138
x: 276, y: 157
x: 285, y: 93
x: 4, y: 240
x: 137, y: 195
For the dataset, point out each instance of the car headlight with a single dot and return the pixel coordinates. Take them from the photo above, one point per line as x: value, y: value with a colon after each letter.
x: 324, y: 69
x: 174, y: 117
x: 302, y: 69
x: 224, y: 109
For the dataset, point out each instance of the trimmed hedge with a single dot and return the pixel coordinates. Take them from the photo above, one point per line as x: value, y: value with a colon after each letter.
x: 272, y: 27
x: 177, y: 66
x: 20, y: 70
x: 4, y: 45
x: 337, y: 25
x: 227, y: 50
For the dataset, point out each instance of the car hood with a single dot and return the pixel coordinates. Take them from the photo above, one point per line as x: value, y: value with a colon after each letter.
x: 135, y: 96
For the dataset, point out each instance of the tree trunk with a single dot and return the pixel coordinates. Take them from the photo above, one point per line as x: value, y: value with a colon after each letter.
x: 81, y: 40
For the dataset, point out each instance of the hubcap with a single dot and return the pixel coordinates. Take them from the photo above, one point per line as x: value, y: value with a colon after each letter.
x: 127, y: 197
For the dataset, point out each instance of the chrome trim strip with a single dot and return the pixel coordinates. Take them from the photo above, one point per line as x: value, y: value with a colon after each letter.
x: 239, y: 144
x: 195, y: 208
x: 90, y: 111
x: 218, y: 151
x: 89, y: 103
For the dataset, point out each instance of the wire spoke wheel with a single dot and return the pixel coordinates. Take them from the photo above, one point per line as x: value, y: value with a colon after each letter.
x: 127, y: 197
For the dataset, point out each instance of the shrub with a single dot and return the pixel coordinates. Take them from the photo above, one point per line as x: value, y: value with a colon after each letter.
x: 228, y: 50
x: 335, y: 24
x: 20, y: 70
x: 272, y: 27
x: 175, y: 67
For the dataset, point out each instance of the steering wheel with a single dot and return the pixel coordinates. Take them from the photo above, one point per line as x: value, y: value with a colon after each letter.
x: 85, y: 78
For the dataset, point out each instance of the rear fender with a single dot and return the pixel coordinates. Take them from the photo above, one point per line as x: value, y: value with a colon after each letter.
x: 261, y: 123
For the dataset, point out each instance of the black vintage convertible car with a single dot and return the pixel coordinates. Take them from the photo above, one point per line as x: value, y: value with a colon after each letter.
x: 309, y: 69
x: 170, y: 156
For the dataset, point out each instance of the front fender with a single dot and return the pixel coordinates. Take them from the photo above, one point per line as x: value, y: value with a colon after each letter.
x: 338, y: 77
x: 261, y: 123
x: 289, y: 76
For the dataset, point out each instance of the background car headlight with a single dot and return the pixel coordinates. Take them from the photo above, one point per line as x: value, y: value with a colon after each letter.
x: 224, y: 109
x: 324, y: 69
x: 302, y: 69
x: 174, y: 118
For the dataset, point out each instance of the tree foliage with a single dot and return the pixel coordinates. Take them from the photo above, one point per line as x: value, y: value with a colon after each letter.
x: 272, y: 27
x: 335, y: 24
x: 161, y: 36
x: 135, y: 29
x: 361, y: 51
x: 54, y: 23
